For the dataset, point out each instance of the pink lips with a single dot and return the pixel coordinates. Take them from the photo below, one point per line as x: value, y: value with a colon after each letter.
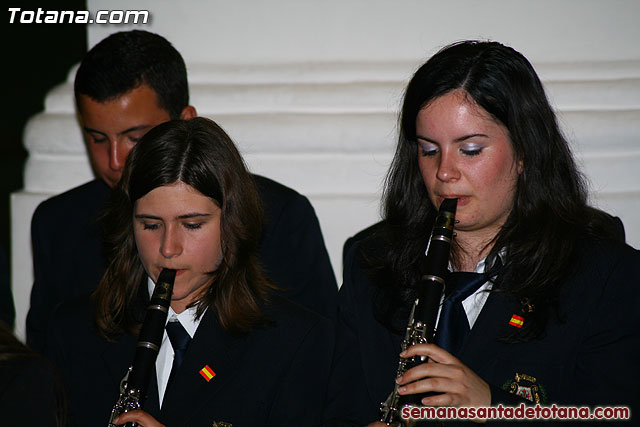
x: 178, y: 271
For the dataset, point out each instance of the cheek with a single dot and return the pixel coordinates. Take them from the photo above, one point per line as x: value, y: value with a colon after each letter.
x: 124, y: 149
x: 498, y: 170
x: 206, y: 253
x: 499, y: 182
x: 99, y: 154
x: 427, y: 170
x: 507, y: 178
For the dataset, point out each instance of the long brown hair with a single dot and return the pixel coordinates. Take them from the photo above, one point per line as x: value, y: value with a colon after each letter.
x: 198, y: 153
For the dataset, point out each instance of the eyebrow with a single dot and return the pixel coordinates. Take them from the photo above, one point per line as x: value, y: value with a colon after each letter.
x: 185, y: 216
x: 460, y: 139
x: 131, y: 129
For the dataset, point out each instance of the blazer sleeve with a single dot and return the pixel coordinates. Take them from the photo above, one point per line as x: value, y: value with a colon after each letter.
x: 607, y: 368
x: 296, y: 258
x: 43, y: 294
x: 55, y: 348
x: 348, y: 401
x: 67, y: 253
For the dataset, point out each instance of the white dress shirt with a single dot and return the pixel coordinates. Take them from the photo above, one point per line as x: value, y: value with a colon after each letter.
x: 164, y: 362
x: 473, y: 303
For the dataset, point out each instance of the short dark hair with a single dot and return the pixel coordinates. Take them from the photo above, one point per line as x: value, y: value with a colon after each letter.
x: 200, y: 154
x: 125, y: 61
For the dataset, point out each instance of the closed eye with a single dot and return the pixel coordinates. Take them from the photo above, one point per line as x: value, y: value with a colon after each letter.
x: 98, y: 139
x: 428, y: 150
x: 471, y: 149
x: 471, y: 152
x: 151, y: 226
x: 193, y: 226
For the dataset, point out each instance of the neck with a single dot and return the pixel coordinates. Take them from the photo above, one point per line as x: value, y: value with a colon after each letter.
x: 179, y: 306
x: 473, y: 247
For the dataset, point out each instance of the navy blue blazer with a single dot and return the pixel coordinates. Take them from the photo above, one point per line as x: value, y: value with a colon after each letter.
x: 68, y: 260
x: 274, y: 376
x: 590, y: 356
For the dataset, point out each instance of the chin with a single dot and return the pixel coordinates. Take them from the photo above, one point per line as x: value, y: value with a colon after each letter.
x: 110, y: 182
x: 463, y: 225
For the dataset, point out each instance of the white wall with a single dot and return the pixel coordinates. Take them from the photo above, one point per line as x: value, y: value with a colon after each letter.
x: 310, y: 90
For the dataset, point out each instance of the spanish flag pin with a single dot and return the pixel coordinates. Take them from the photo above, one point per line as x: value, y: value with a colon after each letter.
x: 516, y: 321
x: 207, y: 373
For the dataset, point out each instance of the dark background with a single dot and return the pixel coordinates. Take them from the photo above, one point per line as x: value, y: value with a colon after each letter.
x: 38, y: 57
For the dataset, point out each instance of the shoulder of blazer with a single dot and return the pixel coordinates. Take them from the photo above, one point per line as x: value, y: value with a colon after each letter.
x: 275, y: 192
x: 602, y: 256
x: 359, y: 237
x: 279, y: 200
x: 83, y: 201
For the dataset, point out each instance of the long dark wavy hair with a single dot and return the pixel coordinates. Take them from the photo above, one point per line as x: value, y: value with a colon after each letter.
x: 550, y: 211
x: 198, y: 153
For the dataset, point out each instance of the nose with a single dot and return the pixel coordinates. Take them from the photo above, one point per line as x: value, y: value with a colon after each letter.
x: 171, y: 243
x: 448, y: 167
x: 117, y: 155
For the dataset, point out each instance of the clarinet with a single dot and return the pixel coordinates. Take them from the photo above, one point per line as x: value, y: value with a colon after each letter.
x: 133, y: 387
x: 424, y: 312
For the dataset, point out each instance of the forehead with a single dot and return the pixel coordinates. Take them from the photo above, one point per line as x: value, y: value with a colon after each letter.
x: 174, y: 200
x: 138, y: 107
x: 456, y: 110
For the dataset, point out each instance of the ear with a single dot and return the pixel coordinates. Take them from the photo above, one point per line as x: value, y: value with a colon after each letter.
x: 520, y: 167
x: 189, y: 112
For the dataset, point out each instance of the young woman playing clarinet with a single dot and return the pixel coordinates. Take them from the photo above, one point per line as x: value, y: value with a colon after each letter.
x: 553, y: 317
x: 233, y: 352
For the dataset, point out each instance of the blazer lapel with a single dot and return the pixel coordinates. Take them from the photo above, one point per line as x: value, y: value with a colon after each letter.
x: 211, y: 346
x: 152, y: 405
x: 117, y: 358
x: 492, y: 324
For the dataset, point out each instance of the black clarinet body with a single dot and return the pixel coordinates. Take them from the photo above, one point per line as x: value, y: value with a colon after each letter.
x: 424, y: 313
x: 133, y: 388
